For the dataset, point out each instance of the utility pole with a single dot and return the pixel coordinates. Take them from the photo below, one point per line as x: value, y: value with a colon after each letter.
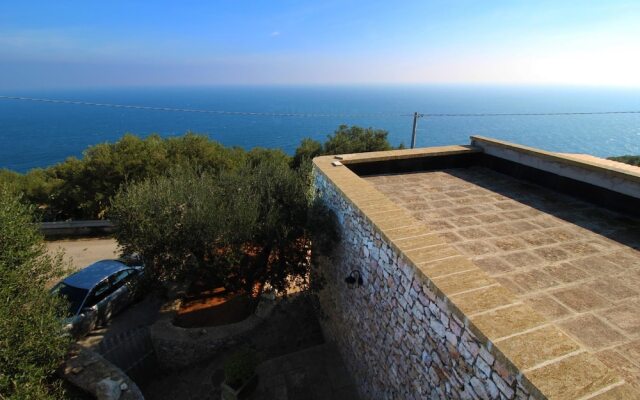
x: 415, y: 126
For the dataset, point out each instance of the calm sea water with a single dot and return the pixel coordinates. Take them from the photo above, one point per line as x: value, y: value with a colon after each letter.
x: 40, y: 134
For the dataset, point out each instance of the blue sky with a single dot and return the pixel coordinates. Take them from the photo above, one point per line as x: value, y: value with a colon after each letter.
x: 134, y: 43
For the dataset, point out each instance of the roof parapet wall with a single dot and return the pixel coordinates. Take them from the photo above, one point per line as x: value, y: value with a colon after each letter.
x: 621, y: 180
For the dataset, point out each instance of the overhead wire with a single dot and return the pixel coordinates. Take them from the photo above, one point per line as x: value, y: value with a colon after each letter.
x: 307, y: 115
x: 192, y: 110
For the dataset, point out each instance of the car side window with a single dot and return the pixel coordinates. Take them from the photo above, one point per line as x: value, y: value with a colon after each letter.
x: 99, y: 292
x: 120, y: 278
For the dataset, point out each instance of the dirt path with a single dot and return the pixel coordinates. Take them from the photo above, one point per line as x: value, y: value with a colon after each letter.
x: 82, y: 252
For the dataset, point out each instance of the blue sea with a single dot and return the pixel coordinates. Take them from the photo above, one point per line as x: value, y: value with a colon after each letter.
x: 35, y: 134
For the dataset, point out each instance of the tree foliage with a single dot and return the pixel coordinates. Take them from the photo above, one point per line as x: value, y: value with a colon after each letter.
x: 345, y: 140
x: 632, y: 160
x: 179, y: 221
x: 82, y: 188
x: 240, y: 226
x: 32, y: 343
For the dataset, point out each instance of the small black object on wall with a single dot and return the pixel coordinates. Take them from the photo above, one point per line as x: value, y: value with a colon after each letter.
x: 354, y: 279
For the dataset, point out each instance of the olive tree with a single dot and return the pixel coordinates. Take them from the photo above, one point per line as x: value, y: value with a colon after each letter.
x: 187, y: 221
x: 32, y: 341
x: 241, y: 226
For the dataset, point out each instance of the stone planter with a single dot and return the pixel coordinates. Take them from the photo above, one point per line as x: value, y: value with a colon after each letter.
x: 177, y: 347
x: 229, y: 393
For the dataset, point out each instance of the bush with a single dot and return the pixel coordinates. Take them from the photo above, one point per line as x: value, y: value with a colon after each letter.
x: 355, y: 139
x: 632, y: 160
x: 345, y: 140
x: 240, y: 367
x: 32, y: 343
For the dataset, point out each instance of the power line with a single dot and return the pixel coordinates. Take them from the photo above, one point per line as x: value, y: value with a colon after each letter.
x: 192, y: 110
x: 428, y: 115
x: 308, y: 115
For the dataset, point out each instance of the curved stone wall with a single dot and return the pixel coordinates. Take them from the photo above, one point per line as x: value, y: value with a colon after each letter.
x: 177, y: 347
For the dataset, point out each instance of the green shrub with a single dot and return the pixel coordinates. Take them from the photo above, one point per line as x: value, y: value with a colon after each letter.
x: 187, y: 221
x: 633, y: 160
x: 355, y: 139
x: 344, y: 140
x: 240, y: 367
x: 32, y: 344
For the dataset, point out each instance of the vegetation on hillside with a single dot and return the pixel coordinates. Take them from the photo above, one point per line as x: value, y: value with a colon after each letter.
x: 236, y: 228
x: 83, y: 188
x: 32, y: 344
x: 252, y: 224
x: 345, y: 140
x: 192, y: 208
x: 633, y: 160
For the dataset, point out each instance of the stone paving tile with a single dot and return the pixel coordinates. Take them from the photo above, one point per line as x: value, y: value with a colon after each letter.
x: 573, y: 377
x: 548, y: 307
x: 591, y: 331
x: 533, y: 348
x: 534, y: 279
x: 507, y: 321
x: 625, y: 317
x: 483, y: 299
x: 613, y: 359
x: 613, y: 289
x: 565, y: 272
x: 580, y: 299
x: 493, y: 265
x: 576, y: 264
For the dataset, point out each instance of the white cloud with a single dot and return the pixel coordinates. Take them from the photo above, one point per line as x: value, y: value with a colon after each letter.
x: 275, y: 33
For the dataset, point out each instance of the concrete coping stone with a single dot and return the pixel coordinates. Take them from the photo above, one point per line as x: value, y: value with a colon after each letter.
x: 373, y: 156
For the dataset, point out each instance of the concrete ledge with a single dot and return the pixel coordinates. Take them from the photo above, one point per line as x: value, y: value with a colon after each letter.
x: 375, y: 156
x: 583, y: 169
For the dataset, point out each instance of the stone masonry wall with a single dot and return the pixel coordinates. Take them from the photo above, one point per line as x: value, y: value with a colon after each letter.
x: 399, y: 339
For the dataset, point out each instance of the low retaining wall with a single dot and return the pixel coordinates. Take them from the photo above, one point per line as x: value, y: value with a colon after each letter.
x: 399, y: 338
x: 177, y: 347
x: 60, y: 229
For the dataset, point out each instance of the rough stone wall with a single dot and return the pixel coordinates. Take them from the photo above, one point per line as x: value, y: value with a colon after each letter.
x: 398, y: 339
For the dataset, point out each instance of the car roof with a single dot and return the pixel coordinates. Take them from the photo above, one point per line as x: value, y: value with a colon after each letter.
x: 88, y: 277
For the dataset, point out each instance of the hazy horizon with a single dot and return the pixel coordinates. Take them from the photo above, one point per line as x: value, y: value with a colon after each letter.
x: 45, y: 45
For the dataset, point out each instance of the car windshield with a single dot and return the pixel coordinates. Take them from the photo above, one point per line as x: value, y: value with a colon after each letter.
x: 75, y: 296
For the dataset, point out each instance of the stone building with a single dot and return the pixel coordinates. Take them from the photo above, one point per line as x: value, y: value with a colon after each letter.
x: 491, y: 271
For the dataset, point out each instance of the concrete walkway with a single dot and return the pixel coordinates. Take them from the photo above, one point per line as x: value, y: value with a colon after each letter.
x: 317, y: 373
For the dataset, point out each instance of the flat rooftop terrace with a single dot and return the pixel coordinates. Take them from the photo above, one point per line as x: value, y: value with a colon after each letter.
x: 538, y: 251
x: 576, y: 264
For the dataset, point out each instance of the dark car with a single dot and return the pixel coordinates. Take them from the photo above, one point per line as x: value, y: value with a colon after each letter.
x: 98, y: 292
